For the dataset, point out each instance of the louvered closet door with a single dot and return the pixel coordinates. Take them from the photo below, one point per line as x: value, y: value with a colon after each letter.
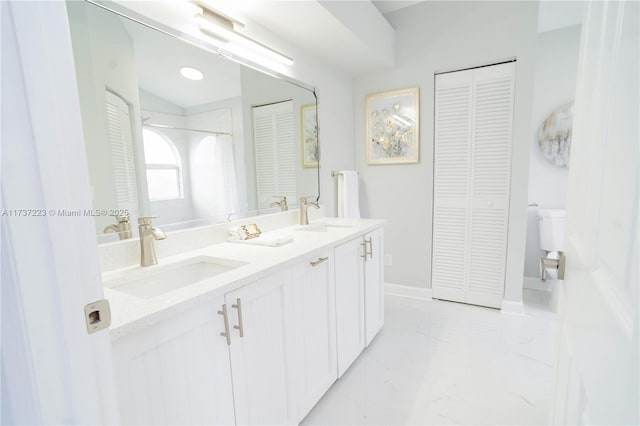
x: 122, y: 157
x: 490, y: 184
x: 275, y: 152
x: 473, y: 124
x: 451, y: 184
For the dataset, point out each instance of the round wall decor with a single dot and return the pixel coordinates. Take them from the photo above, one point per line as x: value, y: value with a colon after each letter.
x: 554, y: 135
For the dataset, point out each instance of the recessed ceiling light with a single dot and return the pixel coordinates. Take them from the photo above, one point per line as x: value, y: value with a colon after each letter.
x: 191, y: 73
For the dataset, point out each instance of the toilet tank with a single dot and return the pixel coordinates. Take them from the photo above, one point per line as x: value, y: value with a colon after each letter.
x: 551, y: 226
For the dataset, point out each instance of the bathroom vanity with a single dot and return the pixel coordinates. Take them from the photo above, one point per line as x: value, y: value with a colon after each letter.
x: 237, y: 333
x: 217, y: 332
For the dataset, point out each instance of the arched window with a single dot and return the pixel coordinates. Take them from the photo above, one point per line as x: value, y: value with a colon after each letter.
x: 162, y: 160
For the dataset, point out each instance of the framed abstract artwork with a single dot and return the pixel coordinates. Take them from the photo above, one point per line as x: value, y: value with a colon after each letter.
x: 392, y: 127
x: 309, y: 130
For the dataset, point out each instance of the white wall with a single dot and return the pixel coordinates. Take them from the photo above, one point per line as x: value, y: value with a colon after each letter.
x: 554, y: 85
x: 431, y: 37
x: 151, y: 102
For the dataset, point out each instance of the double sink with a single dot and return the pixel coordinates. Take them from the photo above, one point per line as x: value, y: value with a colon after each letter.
x: 149, y: 283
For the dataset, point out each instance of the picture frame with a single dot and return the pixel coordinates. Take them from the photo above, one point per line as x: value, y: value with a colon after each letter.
x: 309, y: 135
x: 393, y: 127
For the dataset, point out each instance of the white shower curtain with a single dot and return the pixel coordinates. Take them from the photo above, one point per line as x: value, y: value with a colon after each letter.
x: 214, y: 183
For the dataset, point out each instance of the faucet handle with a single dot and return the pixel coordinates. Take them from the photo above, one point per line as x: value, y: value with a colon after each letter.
x: 305, y: 200
x: 282, y: 203
x: 146, y: 220
x: 122, y: 218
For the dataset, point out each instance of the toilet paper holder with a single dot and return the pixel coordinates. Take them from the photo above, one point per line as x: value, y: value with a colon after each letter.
x: 558, y: 264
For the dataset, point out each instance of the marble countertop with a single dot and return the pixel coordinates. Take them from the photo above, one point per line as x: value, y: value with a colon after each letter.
x: 130, y: 313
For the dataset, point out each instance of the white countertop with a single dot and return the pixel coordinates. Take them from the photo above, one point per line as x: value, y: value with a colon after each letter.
x: 129, y: 313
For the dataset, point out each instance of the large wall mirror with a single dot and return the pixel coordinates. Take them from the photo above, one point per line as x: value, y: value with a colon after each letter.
x: 175, y: 131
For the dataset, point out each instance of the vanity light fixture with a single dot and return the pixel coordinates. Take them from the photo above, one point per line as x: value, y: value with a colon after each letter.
x: 191, y: 73
x: 223, y: 28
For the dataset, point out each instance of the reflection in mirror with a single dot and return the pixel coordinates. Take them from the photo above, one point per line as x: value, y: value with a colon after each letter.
x: 175, y: 131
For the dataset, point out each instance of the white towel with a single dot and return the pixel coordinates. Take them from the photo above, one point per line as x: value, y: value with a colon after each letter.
x: 265, y: 240
x: 348, y: 195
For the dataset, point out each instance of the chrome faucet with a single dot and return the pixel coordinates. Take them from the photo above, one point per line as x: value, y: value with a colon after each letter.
x: 282, y: 203
x: 123, y: 228
x: 304, y: 206
x: 148, y: 233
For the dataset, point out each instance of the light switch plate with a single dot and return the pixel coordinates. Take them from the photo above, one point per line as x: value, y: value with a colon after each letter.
x: 97, y: 315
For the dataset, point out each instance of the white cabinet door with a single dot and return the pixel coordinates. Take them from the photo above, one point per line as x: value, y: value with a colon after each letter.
x: 349, y: 273
x: 262, y: 352
x: 315, y: 334
x: 176, y: 371
x: 374, y: 284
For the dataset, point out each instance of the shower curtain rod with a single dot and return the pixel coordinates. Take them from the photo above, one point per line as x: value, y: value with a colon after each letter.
x: 162, y: 126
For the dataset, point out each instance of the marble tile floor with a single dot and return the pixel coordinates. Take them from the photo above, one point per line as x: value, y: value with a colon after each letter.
x: 446, y: 363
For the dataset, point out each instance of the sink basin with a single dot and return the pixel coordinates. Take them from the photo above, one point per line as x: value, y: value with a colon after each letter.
x: 171, y: 277
x: 322, y: 226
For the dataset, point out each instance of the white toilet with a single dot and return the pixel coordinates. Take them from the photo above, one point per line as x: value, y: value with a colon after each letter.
x: 551, y: 227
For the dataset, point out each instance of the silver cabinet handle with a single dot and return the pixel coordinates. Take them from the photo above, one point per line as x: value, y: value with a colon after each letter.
x: 226, y: 333
x: 240, y: 326
x: 370, y: 242
x: 319, y: 261
x: 364, y: 244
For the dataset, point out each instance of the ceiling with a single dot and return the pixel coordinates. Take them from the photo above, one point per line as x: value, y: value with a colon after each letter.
x: 324, y: 27
x: 388, y: 6
x: 351, y: 35
x: 159, y: 58
x: 553, y: 15
x: 347, y: 34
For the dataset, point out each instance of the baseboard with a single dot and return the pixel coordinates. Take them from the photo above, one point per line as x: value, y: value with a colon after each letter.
x: 419, y: 293
x: 533, y: 283
x: 510, y: 307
